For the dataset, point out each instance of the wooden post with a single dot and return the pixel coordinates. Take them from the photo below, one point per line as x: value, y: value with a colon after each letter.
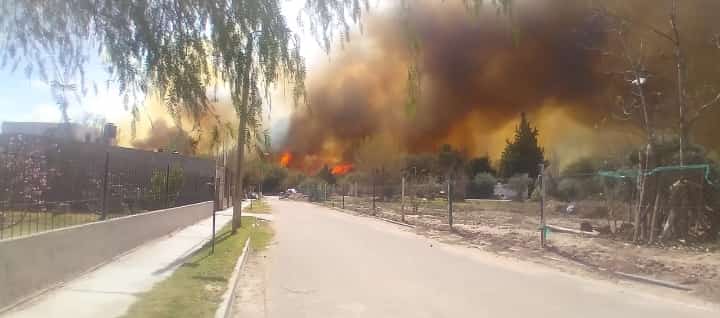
x: 450, y: 202
x: 402, y: 199
x: 641, y: 196
x: 542, y: 206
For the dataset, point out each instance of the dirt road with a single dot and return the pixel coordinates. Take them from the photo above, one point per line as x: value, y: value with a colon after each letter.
x: 330, y: 264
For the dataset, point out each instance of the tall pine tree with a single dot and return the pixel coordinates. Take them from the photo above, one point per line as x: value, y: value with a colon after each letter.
x: 523, y: 154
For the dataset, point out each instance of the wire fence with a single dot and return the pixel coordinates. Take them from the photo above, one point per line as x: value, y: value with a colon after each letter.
x: 47, y: 184
x: 657, y: 206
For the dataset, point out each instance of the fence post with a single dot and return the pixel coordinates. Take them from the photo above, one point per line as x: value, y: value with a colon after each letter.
x: 167, y: 186
x: 542, y: 205
x: 216, y: 202
x: 402, y: 199
x: 229, y: 188
x: 106, y: 183
x: 450, y: 202
x: 373, y: 193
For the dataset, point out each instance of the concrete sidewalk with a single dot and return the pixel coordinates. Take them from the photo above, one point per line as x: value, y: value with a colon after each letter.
x: 112, y: 288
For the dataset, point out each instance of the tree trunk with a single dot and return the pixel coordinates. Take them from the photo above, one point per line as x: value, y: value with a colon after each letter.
x: 653, y: 219
x: 714, y: 231
x: 669, y: 225
x: 680, y: 70
x: 640, y: 199
x: 242, y: 126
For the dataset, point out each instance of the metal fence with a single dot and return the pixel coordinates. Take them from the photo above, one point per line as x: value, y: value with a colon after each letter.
x: 643, y: 207
x: 46, y: 183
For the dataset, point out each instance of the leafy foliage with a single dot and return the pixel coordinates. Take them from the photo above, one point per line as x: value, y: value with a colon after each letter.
x: 325, y: 175
x: 164, y: 187
x: 314, y: 188
x: 523, y: 154
x: 449, y: 159
x: 519, y: 183
x: 421, y: 165
x: 479, y: 165
x: 176, y: 47
x: 482, y: 186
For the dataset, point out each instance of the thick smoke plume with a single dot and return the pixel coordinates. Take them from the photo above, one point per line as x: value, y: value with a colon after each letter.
x: 156, y: 129
x: 478, y: 73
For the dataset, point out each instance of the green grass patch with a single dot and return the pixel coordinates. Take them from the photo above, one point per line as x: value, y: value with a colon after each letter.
x: 258, y: 206
x: 196, y: 287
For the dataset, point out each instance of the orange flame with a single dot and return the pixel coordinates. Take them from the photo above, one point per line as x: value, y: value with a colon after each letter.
x: 341, y: 169
x: 285, y: 159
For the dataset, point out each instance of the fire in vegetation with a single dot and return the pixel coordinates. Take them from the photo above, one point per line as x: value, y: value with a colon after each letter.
x: 285, y: 159
x: 477, y: 73
x: 341, y: 169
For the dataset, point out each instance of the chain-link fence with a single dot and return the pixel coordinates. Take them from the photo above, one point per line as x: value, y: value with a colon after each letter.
x: 47, y: 184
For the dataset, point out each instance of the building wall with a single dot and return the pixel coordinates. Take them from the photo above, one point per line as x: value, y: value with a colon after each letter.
x: 73, y: 173
x: 34, y: 263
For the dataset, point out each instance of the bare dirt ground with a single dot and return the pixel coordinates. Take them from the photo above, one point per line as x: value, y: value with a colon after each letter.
x: 511, y: 228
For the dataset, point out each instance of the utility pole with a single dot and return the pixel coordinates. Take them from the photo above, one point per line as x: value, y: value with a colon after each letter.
x: 542, y: 206
x: 344, y: 188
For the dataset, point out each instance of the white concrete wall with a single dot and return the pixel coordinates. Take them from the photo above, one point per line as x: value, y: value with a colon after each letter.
x: 33, y: 263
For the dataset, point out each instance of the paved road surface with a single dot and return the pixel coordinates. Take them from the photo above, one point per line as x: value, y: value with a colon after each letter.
x: 326, y: 263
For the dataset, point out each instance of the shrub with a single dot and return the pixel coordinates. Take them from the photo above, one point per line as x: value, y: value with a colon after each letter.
x: 482, y: 186
x: 519, y: 183
x: 576, y: 189
x: 313, y: 188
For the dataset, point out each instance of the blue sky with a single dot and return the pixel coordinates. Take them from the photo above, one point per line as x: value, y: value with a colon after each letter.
x: 30, y: 99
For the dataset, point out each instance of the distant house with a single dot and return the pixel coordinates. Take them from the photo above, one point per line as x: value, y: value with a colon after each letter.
x: 62, y: 131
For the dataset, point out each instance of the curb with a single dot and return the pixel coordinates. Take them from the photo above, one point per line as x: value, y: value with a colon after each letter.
x: 652, y: 281
x: 622, y: 275
x: 397, y: 222
x: 368, y: 215
x: 225, y: 308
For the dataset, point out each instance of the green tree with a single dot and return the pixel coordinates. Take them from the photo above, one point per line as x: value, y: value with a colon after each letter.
x: 326, y: 175
x: 449, y: 159
x: 273, y: 178
x: 523, y: 155
x: 176, y: 48
x: 421, y: 166
x: 479, y: 165
x: 482, y: 186
x: 164, y: 189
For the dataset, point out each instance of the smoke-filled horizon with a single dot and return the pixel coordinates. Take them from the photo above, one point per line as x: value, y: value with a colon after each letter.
x: 478, y: 73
